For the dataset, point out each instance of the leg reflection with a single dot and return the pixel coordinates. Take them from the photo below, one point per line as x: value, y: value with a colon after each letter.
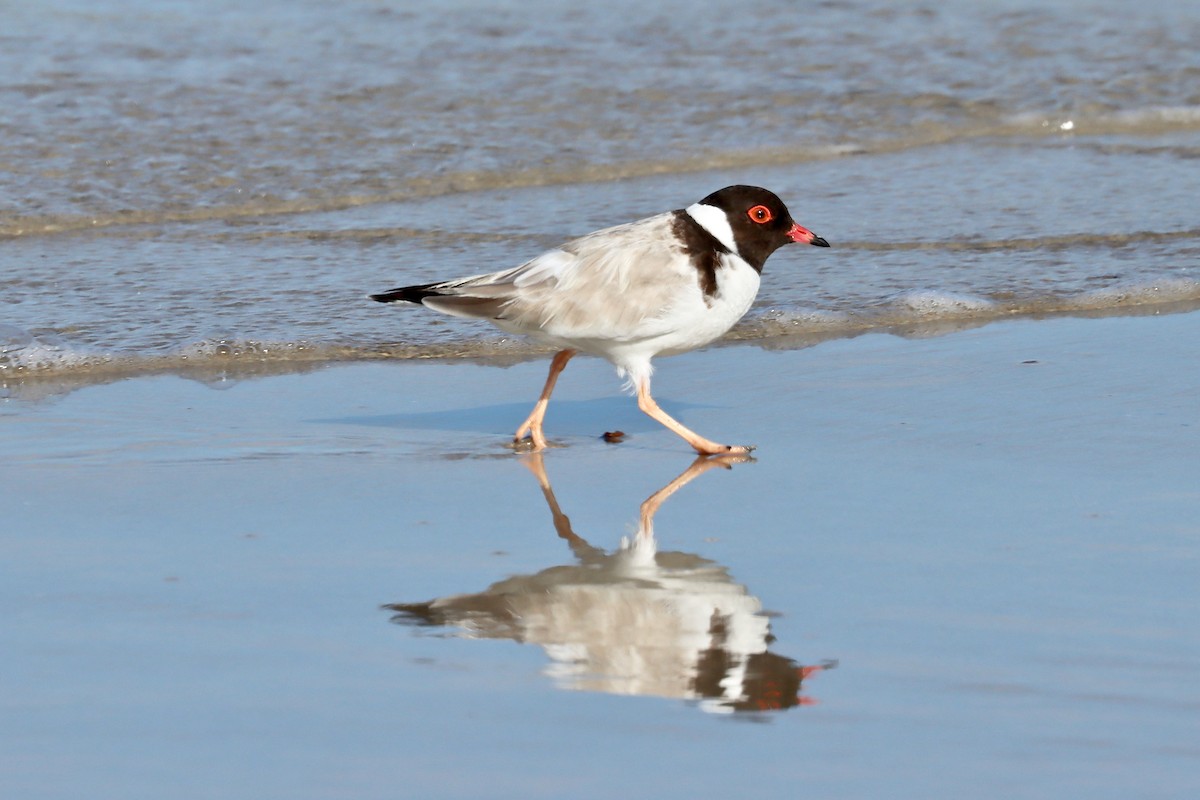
x: 634, y: 620
x: 700, y: 466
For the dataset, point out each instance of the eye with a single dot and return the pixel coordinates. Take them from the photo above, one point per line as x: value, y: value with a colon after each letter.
x: 760, y: 214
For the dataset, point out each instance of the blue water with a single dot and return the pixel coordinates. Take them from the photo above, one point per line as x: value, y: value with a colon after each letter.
x: 997, y: 554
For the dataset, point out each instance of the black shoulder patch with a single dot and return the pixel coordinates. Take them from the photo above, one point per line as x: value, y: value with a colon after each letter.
x: 704, y: 250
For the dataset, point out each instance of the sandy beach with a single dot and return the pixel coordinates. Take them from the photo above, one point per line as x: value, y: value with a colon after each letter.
x: 993, y: 533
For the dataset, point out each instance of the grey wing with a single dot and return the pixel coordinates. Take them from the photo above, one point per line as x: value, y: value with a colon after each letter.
x: 617, y: 283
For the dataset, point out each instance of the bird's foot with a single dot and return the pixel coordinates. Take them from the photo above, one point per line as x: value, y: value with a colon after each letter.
x: 528, y: 445
x: 535, y: 442
x: 707, y: 448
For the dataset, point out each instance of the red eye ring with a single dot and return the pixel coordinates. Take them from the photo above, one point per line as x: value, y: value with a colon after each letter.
x: 760, y: 214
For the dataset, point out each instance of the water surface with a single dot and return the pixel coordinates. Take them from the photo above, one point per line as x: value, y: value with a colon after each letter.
x: 191, y: 187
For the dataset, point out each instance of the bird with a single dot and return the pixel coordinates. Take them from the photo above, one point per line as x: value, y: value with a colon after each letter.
x: 659, y: 286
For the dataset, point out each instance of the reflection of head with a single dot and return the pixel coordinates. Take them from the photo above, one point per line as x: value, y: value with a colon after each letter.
x: 635, y: 621
x: 768, y: 682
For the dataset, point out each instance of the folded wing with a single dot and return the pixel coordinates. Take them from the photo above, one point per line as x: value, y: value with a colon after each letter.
x: 617, y: 283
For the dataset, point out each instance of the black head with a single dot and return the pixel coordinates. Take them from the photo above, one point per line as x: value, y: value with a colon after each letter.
x: 760, y: 222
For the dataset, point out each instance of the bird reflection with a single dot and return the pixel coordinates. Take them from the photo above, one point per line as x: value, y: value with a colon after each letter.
x: 635, y: 621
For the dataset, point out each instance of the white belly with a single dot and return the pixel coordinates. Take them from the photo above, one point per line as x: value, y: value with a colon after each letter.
x: 693, y: 321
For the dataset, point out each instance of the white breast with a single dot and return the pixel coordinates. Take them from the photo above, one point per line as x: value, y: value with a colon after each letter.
x: 696, y: 319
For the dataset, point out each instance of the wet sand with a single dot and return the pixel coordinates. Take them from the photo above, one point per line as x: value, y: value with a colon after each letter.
x: 229, y: 589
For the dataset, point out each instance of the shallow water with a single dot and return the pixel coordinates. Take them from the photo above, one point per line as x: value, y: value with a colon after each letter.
x: 992, y: 533
x: 214, y: 187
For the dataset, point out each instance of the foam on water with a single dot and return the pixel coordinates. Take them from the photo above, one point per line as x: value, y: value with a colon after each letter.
x: 210, y: 350
x: 929, y: 303
x: 22, y: 352
x: 1132, y: 294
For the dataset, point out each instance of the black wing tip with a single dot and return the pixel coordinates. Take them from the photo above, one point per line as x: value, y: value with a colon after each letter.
x: 405, y: 294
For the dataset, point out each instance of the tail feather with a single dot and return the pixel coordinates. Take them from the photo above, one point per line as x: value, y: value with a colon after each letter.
x: 408, y: 294
x: 448, y: 298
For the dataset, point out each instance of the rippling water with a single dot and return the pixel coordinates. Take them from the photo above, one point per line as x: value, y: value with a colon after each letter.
x: 219, y: 186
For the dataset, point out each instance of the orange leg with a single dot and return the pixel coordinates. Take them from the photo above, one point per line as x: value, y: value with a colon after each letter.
x: 704, y: 447
x: 533, y: 423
